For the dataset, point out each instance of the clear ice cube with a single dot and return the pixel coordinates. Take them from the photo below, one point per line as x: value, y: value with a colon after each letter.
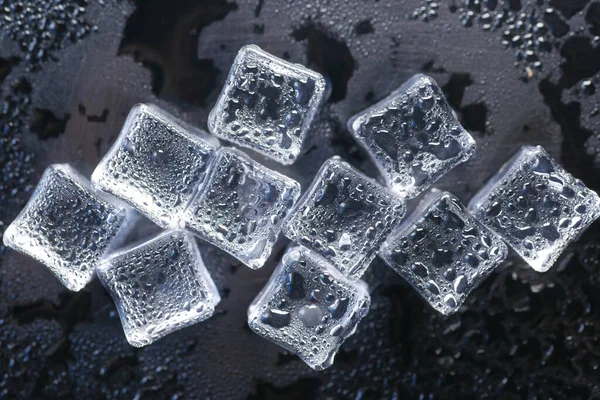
x: 413, y: 136
x: 267, y: 104
x: 155, y: 165
x: 443, y: 252
x: 241, y: 207
x: 159, y: 286
x: 308, y: 307
x: 344, y: 216
x: 68, y: 226
x: 536, y: 206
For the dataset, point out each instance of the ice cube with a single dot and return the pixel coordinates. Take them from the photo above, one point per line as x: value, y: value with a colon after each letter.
x: 155, y: 165
x: 308, y: 307
x: 536, y: 206
x: 241, y: 207
x: 159, y: 286
x: 413, y: 136
x: 267, y: 104
x: 68, y: 226
x: 344, y: 216
x: 443, y: 252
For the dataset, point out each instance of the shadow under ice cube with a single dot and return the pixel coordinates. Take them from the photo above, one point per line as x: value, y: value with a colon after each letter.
x: 345, y: 217
x: 443, y: 252
x: 413, y: 136
x: 156, y: 165
x: 159, y: 286
x: 308, y: 307
x: 536, y: 206
x: 267, y: 104
x: 241, y: 207
x: 68, y: 226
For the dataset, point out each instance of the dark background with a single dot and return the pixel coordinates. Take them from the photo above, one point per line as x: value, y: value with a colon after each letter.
x: 517, y: 72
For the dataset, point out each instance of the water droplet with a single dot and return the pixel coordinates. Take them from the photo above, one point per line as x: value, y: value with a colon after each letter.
x: 310, y: 315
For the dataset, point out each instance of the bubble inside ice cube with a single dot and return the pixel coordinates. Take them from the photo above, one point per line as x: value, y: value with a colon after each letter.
x: 345, y: 217
x: 156, y: 165
x: 159, y: 286
x: 67, y: 225
x: 308, y: 307
x: 413, y: 136
x: 241, y: 207
x: 443, y: 252
x: 267, y: 104
x: 536, y: 206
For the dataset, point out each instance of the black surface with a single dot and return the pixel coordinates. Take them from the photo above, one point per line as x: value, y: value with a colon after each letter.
x: 516, y: 72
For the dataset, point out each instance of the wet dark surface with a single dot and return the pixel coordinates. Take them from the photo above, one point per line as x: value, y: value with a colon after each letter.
x: 516, y: 72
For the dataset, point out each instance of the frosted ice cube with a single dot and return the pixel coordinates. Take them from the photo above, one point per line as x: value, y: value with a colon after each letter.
x: 267, y: 104
x: 443, y: 252
x: 155, y: 165
x: 241, y: 207
x: 413, y: 136
x: 344, y: 216
x: 159, y: 286
x: 308, y: 307
x: 536, y: 206
x: 68, y: 226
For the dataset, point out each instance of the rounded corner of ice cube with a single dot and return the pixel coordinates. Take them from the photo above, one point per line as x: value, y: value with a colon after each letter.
x: 140, y: 108
x: 534, y: 148
x: 416, y: 79
x: 294, y: 186
x: 11, y: 231
x: 215, y: 299
x: 135, y: 340
x: 321, y: 83
x: 74, y: 285
x: 324, y: 365
x: 250, y: 47
x: 503, y: 248
x: 67, y: 172
x: 544, y: 259
x: 475, y: 204
x: 332, y: 162
x: 354, y: 123
x: 64, y: 169
x: 596, y: 204
x: 254, y: 263
x: 98, y: 175
x: 103, y: 267
x: 541, y: 267
x: 211, y: 121
x: 363, y: 288
x: 419, y: 75
x: 470, y: 147
x: 254, y: 320
x: 446, y: 310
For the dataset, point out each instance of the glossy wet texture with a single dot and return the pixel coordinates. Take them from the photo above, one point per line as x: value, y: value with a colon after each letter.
x: 156, y: 165
x: 241, y: 208
x: 443, y: 251
x: 536, y: 206
x: 413, y: 136
x: 267, y: 104
x: 308, y: 307
x: 345, y: 217
x: 64, y: 202
x: 159, y: 286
